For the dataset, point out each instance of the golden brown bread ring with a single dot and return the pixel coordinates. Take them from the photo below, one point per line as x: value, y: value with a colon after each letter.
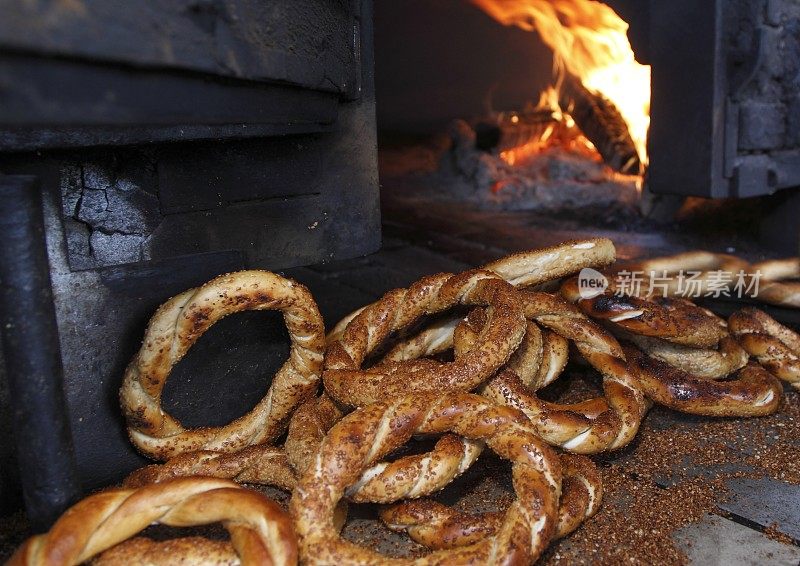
x: 675, y: 321
x: 261, y: 532
x: 774, y: 286
x: 179, y: 322
x: 349, y: 385
x: 775, y: 346
x: 522, y: 269
x: 754, y: 392
x: 568, y: 426
x: 438, y: 526
x: 370, y: 433
x: 710, y: 272
x: 703, y: 363
x: 534, y: 267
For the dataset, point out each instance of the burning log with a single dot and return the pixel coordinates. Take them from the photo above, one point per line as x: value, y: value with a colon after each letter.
x: 602, y: 124
x: 512, y: 130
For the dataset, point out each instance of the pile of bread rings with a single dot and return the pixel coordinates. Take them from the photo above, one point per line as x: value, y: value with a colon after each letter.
x: 346, y: 402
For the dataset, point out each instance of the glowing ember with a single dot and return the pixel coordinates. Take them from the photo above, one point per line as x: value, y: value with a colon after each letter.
x: 589, y: 40
x: 562, y: 133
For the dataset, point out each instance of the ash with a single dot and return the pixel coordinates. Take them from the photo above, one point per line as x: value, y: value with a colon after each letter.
x: 553, y: 180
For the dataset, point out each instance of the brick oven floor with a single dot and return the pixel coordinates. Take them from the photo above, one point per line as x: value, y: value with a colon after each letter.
x: 688, y: 489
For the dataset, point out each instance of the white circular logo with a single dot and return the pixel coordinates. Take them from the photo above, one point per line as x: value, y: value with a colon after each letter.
x: 591, y: 283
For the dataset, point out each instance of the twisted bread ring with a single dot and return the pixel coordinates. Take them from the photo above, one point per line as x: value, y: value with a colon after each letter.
x: 568, y: 426
x: 523, y: 269
x: 773, y: 287
x: 438, y: 526
x: 676, y: 321
x: 349, y: 385
x: 715, y: 272
x: 709, y: 273
x: 702, y: 363
x: 261, y: 533
x: 179, y: 322
x: 754, y: 393
x: 775, y: 346
x: 371, y: 432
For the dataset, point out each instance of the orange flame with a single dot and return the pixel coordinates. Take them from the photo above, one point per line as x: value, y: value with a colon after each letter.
x: 590, y: 41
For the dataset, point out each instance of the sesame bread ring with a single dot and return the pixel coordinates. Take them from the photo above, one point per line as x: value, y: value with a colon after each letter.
x: 676, y: 321
x: 775, y: 346
x: 371, y: 432
x: 754, y: 392
x: 780, y: 281
x: 703, y: 272
x: 177, y: 325
x: 718, y: 363
x: 260, y: 531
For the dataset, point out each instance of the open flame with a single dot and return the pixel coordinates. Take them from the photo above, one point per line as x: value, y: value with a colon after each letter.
x: 589, y: 40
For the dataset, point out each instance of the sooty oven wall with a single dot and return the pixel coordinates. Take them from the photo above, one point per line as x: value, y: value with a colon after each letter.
x: 173, y: 142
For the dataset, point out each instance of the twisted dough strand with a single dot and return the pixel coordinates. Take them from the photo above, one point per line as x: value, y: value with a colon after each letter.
x: 718, y: 363
x: 776, y: 347
x: 674, y: 320
x: 261, y: 533
x: 179, y: 322
x: 754, y: 393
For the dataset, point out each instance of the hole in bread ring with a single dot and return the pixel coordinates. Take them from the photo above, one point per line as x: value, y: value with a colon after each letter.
x: 179, y: 322
x: 437, y: 526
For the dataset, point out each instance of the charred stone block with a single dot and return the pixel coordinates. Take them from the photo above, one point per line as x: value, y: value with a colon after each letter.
x: 793, y: 122
x: 775, y: 12
x: 116, y: 248
x: 752, y: 175
x: 774, y: 51
x: 762, y: 125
